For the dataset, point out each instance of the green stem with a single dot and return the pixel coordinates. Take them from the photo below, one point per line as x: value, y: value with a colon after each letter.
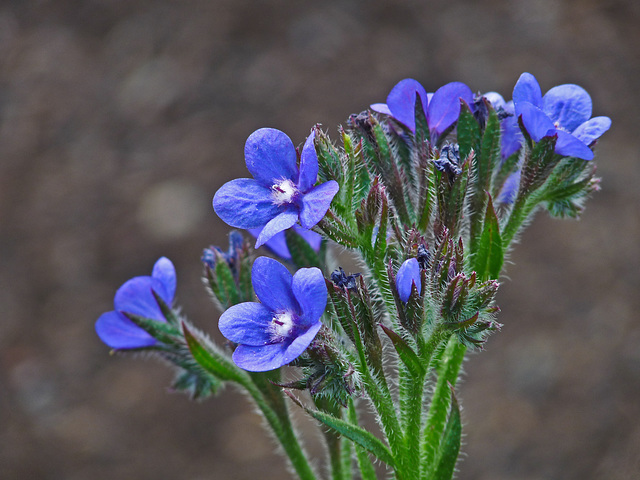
x: 279, y: 421
x: 413, y: 423
x: 448, y: 372
x: 380, y: 396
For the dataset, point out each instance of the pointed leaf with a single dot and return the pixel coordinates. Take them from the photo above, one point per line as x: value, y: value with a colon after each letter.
x: 356, y: 434
x: 490, y: 254
x: 161, y: 331
x: 406, y: 353
x: 209, y: 359
x: 468, y: 132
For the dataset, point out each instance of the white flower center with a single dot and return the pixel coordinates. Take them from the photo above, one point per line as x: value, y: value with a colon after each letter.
x: 281, y: 325
x: 283, y: 192
x: 558, y: 126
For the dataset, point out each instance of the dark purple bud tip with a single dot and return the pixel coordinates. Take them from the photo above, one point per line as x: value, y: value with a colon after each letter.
x: 342, y: 280
x: 449, y: 161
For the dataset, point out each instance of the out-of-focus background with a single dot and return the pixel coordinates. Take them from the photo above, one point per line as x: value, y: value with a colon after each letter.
x: 119, y: 120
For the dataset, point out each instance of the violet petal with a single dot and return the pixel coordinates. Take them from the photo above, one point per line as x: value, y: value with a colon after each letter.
x: 277, y: 224
x: 316, y: 202
x: 310, y: 290
x: 246, y: 323
x: 244, y: 203
x: 118, y: 332
x: 260, y: 359
x: 270, y: 155
x: 308, y: 164
x: 272, y: 284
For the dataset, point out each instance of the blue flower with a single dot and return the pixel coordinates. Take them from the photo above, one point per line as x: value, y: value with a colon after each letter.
x: 408, y: 275
x: 441, y: 108
x: 277, y: 330
x: 511, y: 137
x: 564, y: 111
x: 278, y: 243
x: 280, y: 192
x: 136, y: 297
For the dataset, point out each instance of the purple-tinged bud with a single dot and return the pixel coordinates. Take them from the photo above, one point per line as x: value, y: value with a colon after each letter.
x: 408, y: 275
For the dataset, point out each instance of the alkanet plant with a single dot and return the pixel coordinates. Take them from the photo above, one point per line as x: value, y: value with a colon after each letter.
x: 426, y: 193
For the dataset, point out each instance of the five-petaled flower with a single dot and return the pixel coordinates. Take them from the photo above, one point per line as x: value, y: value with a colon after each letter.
x: 441, y: 108
x: 408, y: 275
x: 564, y: 111
x: 136, y: 297
x: 277, y: 330
x: 280, y: 192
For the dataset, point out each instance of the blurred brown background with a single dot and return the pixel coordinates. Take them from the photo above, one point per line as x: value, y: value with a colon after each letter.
x: 118, y: 121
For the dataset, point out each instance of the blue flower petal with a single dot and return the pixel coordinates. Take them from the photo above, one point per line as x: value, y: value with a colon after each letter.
x: 278, y: 243
x: 510, y: 188
x: 408, y: 274
x: 272, y: 285
x: 402, y: 101
x: 316, y: 202
x: 444, y: 106
x: 592, y: 129
x: 118, y: 332
x: 569, y: 146
x: 164, y: 271
x: 260, y: 359
x: 270, y: 155
x: 527, y: 89
x: 277, y: 224
x: 246, y: 323
x: 244, y: 203
x: 568, y: 106
x: 535, y: 122
x: 135, y: 297
x: 310, y: 290
x: 495, y: 99
x: 511, y: 139
x: 380, y: 108
x: 300, y: 343
x: 308, y: 164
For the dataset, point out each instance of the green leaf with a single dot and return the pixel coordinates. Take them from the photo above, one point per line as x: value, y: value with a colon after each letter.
x: 384, y: 164
x: 490, y: 254
x: 162, y: 331
x: 468, y: 132
x: 485, y: 159
x: 406, y: 353
x: 166, y: 310
x: 209, y: 359
x: 450, y: 444
x: 228, y: 289
x: 356, y: 434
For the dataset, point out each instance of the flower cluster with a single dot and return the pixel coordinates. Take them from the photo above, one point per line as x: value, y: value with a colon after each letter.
x: 428, y: 191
